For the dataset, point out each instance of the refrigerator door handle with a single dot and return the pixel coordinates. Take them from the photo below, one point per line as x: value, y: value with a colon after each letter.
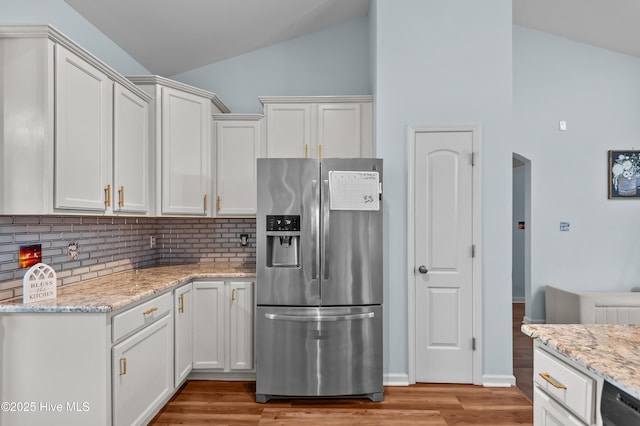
x: 315, y: 234
x: 325, y: 228
x: 320, y: 318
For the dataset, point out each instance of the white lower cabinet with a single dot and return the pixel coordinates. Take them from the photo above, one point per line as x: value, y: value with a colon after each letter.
x: 223, y: 338
x: 183, y: 339
x: 142, y: 373
x: 547, y: 412
x: 103, y: 369
x: 564, y: 392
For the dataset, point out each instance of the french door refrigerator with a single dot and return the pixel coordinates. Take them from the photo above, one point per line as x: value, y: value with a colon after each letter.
x: 319, y: 278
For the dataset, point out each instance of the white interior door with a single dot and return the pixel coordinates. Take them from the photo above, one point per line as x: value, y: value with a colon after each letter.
x: 443, y: 256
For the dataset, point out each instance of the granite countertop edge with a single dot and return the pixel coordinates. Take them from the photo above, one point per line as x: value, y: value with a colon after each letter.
x: 116, y: 291
x: 607, y: 350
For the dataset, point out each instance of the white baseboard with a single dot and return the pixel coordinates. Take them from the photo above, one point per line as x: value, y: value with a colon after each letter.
x: 528, y: 320
x: 498, y: 380
x: 395, y: 380
x: 517, y: 299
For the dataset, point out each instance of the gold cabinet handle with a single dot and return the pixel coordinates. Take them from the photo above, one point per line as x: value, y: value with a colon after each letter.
x: 205, y: 203
x: 150, y: 311
x: 181, y: 308
x: 218, y: 207
x: 555, y: 384
x: 107, y: 192
x: 123, y: 366
x: 121, y: 196
x: 306, y: 150
x: 233, y: 294
x: 320, y: 152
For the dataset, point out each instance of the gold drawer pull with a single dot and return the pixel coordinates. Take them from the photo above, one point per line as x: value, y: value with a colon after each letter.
x: 107, y: 194
x: 121, y: 196
x: 150, y: 311
x: 123, y: 366
x: 555, y: 384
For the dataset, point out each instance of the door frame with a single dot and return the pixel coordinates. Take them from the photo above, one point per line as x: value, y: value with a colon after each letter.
x: 476, y: 130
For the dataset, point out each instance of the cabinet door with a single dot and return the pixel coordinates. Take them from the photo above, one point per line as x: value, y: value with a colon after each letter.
x: 183, y: 308
x: 341, y: 132
x: 83, y: 141
x: 142, y: 373
x: 289, y: 132
x: 237, y: 147
x: 241, y: 326
x: 547, y: 412
x: 208, y: 325
x: 186, y: 140
x: 130, y: 152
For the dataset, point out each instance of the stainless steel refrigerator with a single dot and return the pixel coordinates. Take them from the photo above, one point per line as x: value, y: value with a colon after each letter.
x: 319, y: 278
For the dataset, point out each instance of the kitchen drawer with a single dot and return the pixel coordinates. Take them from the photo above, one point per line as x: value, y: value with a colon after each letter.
x: 569, y: 386
x: 134, y: 319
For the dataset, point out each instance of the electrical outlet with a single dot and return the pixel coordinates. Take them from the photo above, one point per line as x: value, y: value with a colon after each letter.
x: 152, y: 241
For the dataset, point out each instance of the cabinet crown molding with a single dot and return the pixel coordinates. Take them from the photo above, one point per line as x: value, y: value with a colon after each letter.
x: 156, y: 79
x: 50, y: 33
x: 315, y: 99
x: 244, y: 117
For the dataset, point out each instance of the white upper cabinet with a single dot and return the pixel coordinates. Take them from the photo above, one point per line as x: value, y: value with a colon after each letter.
x: 181, y: 141
x: 318, y: 126
x: 288, y: 128
x: 60, y: 124
x: 237, y: 140
x: 83, y: 129
x: 130, y: 152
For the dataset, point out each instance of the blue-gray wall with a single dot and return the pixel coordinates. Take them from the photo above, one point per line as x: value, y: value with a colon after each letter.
x: 334, y: 61
x: 447, y: 62
x: 66, y: 20
x: 597, y: 92
x: 518, y: 235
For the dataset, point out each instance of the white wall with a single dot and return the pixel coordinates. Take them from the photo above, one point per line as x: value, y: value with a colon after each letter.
x: 598, y: 93
x: 447, y: 62
x: 66, y: 20
x: 334, y: 61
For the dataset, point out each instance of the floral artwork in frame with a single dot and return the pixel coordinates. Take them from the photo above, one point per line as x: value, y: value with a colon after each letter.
x: 624, y: 174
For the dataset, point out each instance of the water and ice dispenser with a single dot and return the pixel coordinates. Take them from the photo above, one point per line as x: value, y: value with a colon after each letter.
x: 283, y: 241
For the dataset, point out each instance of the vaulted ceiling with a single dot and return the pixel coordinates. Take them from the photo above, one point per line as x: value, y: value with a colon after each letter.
x: 168, y: 36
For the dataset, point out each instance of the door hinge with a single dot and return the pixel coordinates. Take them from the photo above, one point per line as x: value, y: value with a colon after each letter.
x: 473, y: 343
x: 473, y: 159
x: 473, y: 250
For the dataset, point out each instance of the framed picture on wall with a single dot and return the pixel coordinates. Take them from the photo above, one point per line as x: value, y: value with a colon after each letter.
x: 624, y: 174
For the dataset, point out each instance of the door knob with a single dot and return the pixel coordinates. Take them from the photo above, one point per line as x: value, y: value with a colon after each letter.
x: 422, y: 269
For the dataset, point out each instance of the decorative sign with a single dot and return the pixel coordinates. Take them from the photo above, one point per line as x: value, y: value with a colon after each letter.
x: 39, y: 283
x: 354, y: 190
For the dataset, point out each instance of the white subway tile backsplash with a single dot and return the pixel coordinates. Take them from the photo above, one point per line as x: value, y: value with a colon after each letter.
x: 112, y: 244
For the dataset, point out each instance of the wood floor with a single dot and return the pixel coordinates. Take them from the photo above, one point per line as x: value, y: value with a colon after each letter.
x: 522, y: 353
x: 233, y: 403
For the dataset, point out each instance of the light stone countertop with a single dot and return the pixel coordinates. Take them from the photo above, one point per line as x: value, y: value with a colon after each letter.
x: 609, y: 351
x: 112, y: 292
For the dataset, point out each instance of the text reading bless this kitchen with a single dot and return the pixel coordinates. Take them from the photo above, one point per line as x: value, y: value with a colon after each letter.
x: 46, y: 407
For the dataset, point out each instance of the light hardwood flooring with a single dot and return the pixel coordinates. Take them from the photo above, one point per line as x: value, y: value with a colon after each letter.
x: 233, y: 403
